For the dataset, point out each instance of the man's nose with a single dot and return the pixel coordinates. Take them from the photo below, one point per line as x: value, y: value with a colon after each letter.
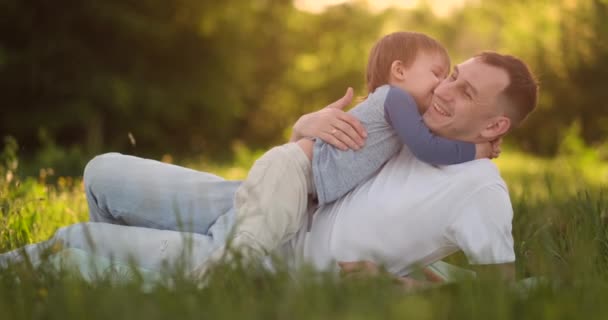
x: 443, y: 90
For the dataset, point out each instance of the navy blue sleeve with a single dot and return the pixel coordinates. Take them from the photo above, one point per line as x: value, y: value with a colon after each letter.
x: 401, y: 112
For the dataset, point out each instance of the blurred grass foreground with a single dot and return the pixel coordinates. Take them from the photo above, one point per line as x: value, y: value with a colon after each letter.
x: 561, y: 239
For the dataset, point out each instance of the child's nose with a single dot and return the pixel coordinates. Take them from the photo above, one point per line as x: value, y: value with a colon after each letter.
x: 439, y: 81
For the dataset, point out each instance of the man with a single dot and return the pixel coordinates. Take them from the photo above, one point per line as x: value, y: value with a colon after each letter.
x: 410, y: 214
x: 420, y: 213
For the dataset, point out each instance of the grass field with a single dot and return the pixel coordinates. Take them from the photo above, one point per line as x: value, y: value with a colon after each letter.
x: 560, y: 230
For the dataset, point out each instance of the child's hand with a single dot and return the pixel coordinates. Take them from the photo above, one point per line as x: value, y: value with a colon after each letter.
x: 483, y: 150
x: 490, y: 150
x: 496, y: 148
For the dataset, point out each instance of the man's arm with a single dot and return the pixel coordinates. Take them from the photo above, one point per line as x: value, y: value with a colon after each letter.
x: 332, y: 125
x: 483, y: 231
x: 362, y: 269
x: 506, y: 271
x: 401, y: 112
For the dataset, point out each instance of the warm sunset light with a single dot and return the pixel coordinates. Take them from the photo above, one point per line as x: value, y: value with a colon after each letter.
x: 303, y: 159
x: 440, y: 7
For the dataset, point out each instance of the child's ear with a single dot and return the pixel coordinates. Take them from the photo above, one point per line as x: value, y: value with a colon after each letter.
x: 398, y: 70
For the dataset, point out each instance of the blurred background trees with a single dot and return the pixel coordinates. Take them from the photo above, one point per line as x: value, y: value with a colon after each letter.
x: 188, y: 77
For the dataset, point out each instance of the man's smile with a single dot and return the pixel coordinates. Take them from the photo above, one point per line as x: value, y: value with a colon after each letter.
x: 441, y: 110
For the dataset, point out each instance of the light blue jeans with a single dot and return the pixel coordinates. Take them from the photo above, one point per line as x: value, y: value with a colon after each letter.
x: 150, y: 213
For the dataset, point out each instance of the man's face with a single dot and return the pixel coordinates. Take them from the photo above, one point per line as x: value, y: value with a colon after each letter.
x: 466, y: 102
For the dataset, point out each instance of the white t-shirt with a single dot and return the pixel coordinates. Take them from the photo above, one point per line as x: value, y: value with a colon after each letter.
x: 412, y: 213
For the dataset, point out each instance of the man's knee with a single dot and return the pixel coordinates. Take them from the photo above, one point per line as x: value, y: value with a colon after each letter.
x: 61, y: 235
x: 101, y: 166
x: 74, y: 236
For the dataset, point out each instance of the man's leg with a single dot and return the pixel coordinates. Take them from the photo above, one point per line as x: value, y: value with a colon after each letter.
x: 149, y: 249
x: 133, y: 191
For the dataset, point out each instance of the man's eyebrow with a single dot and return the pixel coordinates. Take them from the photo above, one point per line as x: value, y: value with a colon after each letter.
x: 468, y: 84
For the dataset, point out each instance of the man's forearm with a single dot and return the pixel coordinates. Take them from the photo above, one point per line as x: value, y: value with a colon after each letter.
x: 413, y: 284
x: 307, y: 147
x: 505, y: 270
x: 294, y: 136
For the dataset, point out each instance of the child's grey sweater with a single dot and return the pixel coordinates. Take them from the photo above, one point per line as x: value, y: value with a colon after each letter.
x: 392, y: 120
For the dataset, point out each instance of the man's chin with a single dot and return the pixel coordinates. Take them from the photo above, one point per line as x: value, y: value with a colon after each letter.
x: 439, y: 129
x: 432, y: 124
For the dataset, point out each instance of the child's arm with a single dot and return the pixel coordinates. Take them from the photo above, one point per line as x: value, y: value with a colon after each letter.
x: 401, y: 112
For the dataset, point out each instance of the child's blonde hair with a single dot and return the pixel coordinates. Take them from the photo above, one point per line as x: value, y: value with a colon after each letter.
x: 402, y: 46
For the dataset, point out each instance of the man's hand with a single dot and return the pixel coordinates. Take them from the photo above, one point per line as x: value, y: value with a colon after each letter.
x: 332, y: 125
x: 361, y: 269
x: 358, y: 269
x: 506, y: 271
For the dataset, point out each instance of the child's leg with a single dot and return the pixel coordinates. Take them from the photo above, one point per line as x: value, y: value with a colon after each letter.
x: 271, y: 203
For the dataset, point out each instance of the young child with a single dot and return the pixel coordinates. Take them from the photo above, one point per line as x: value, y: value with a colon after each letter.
x: 402, y: 72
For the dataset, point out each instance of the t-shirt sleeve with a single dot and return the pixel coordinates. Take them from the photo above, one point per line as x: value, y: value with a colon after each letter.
x: 483, y: 229
x: 401, y: 112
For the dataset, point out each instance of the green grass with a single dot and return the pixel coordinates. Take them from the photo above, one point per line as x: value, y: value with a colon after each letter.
x: 560, y: 230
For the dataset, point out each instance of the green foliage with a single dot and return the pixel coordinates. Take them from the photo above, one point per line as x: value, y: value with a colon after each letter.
x: 564, y: 42
x: 31, y: 210
x: 178, y: 73
x: 191, y: 77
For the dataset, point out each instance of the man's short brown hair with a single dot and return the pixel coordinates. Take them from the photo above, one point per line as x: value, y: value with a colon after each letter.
x: 521, y: 95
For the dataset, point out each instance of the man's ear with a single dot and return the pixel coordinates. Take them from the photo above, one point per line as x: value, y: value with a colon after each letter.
x: 497, y: 127
x: 398, y: 70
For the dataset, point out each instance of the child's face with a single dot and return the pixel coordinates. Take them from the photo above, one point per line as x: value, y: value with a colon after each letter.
x: 421, y: 78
